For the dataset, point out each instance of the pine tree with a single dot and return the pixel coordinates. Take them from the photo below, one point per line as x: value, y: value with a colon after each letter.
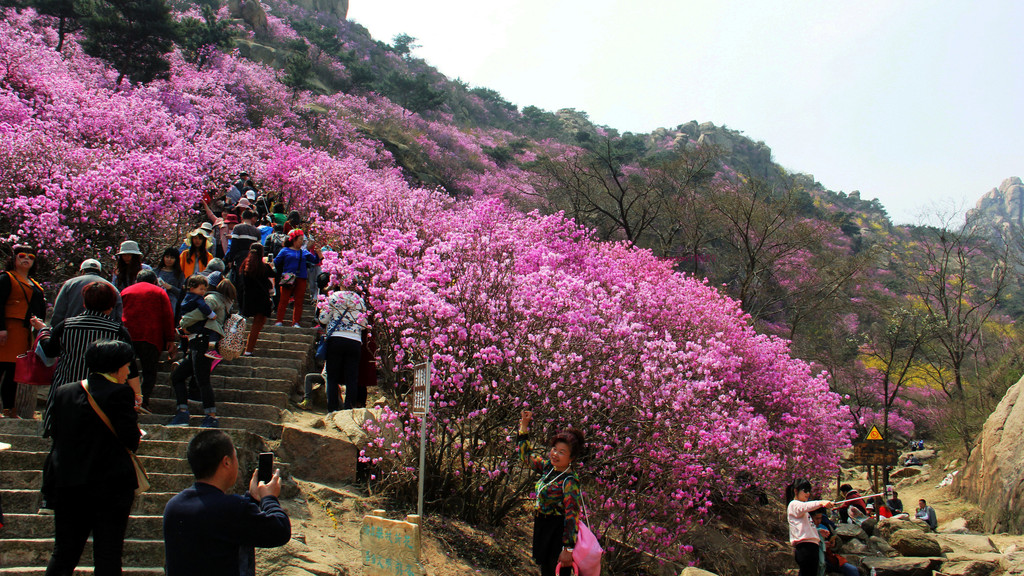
x: 133, y: 35
x: 69, y: 14
x: 199, y: 38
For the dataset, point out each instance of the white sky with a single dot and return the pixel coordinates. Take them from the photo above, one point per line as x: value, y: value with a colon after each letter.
x: 912, y: 102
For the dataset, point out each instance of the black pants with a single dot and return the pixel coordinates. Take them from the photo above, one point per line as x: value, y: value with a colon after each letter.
x: 149, y: 360
x: 197, y: 366
x: 8, y: 387
x: 81, y: 511
x: 343, y: 367
x: 806, y: 554
x: 547, y: 544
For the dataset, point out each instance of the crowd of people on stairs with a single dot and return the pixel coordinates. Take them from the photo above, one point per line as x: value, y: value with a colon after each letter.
x: 100, y: 350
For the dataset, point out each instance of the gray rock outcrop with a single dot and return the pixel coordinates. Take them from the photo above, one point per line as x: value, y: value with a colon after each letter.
x: 1003, y: 205
x: 914, y: 542
x: 888, y: 526
x: 993, y: 477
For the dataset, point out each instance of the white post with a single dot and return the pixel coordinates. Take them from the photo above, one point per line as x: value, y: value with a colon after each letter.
x: 423, y: 440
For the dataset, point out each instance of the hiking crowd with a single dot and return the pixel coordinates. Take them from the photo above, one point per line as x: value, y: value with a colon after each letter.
x: 812, y: 524
x: 100, y: 352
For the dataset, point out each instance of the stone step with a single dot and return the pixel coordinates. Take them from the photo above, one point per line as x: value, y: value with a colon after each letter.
x: 80, y: 571
x: 271, y: 430
x: 36, y: 552
x: 277, y: 399
x: 222, y: 382
x: 166, y: 449
x: 271, y: 335
x: 18, y: 460
x: 287, y: 360
x: 167, y: 407
x: 240, y: 371
x: 33, y: 480
x: 18, y: 526
x: 21, y: 479
x: 28, y: 501
x: 261, y: 352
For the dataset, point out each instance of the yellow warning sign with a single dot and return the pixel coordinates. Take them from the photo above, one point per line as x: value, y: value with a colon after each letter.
x: 874, y: 434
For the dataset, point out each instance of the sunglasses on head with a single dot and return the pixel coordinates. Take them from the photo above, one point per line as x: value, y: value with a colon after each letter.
x: 26, y: 255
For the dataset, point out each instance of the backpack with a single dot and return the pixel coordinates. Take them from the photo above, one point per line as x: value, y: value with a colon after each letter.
x: 233, y: 342
x: 275, y: 242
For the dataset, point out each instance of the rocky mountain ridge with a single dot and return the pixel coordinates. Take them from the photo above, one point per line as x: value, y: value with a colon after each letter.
x: 1002, y: 208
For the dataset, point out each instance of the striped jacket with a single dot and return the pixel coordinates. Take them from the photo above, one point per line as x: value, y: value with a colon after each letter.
x: 69, y: 340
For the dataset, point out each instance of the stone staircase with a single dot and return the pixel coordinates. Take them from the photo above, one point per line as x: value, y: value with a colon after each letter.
x: 252, y: 394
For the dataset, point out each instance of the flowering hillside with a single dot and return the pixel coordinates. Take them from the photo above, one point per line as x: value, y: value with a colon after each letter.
x: 685, y: 406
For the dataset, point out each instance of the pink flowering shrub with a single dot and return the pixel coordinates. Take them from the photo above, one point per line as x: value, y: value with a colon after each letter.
x: 683, y: 403
x: 678, y: 396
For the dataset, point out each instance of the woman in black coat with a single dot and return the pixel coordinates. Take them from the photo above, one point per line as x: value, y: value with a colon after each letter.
x: 90, y: 478
x: 255, y: 286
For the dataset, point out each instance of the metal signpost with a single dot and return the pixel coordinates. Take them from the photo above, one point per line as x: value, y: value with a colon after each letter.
x: 421, y: 407
x: 874, y: 452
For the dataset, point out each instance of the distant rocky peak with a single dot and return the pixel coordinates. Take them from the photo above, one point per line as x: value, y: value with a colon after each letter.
x: 1002, y: 206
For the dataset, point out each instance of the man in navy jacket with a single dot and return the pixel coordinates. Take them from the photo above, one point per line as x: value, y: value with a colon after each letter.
x: 208, y: 532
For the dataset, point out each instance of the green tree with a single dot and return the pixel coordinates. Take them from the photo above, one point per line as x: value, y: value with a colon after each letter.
x: 959, y: 277
x: 403, y: 45
x: 133, y: 35
x: 199, y: 38
x: 412, y: 92
x: 298, y: 69
x: 69, y: 14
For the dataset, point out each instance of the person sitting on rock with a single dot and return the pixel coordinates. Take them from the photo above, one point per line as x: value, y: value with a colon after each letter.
x: 926, y: 513
x: 857, y: 503
x: 895, y: 504
x: 834, y: 563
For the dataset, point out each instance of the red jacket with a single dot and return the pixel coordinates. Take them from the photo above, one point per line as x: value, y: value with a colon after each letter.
x: 147, y: 314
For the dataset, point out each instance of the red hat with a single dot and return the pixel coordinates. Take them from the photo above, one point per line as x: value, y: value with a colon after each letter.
x: 294, y: 234
x: 230, y: 218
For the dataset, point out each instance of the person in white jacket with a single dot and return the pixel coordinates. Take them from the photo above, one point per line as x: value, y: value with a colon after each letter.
x: 345, y: 318
x: 803, y: 535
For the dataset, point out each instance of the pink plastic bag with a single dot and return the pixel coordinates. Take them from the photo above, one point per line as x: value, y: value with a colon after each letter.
x: 586, y: 555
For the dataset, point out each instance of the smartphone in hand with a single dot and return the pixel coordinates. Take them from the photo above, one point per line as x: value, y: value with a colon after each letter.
x: 266, y: 467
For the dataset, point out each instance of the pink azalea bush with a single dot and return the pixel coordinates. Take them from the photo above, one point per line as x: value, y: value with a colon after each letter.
x: 684, y: 405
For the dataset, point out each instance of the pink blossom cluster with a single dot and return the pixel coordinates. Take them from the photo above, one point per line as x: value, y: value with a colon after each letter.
x: 684, y: 405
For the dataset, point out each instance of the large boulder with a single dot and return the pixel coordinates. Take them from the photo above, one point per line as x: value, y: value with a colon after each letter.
x: 882, y: 547
x: 907, y: 472
x: 966, y: 543
x: 1012, y: 564
x: 925, y: 454
x: 692, y: 571
x: 969, y: 568
x: 850, y: 531
x: 888, y: 526
x: 914, y: 542
x: 351, y: 424
x: 897, y: 566
x: 854, y: 546
x: 993, y: 477
x: 252, y: 12
x: 318, y: 456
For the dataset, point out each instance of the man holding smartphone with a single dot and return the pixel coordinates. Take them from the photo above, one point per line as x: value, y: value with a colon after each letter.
x: 208, y: 532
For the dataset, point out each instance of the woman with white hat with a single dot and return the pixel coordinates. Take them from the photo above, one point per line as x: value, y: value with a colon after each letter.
x: 194, y: 259
x: 127, y: 265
